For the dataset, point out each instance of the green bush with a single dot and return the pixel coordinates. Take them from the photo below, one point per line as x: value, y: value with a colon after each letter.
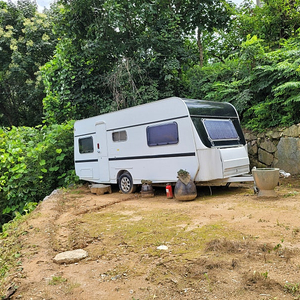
x: 33, y: 162
x: 263, y: 85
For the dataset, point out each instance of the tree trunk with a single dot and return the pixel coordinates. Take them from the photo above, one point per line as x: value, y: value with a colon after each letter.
x: 200, y: 47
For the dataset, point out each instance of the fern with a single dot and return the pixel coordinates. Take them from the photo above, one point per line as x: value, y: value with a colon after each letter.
x: 292, y: 99
x: 287, y: 87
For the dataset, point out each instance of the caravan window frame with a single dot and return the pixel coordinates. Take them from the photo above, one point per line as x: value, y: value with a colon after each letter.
x: 119, y: 136
x: 228, y: 132
x: 162, y: 134
x: 87, y: 147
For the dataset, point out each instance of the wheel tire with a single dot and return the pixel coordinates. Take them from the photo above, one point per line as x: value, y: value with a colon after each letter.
x: 126, y: 184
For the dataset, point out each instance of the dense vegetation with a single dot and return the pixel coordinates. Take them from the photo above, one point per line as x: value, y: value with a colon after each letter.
x: 33, y: 162
x: 81, y: 58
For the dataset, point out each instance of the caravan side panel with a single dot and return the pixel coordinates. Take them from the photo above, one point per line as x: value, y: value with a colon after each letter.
x: 86, y: 161
x: 159, y: 163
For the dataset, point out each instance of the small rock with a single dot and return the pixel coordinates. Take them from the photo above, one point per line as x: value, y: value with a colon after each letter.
x: 70, y: 257
x: 162, y: 247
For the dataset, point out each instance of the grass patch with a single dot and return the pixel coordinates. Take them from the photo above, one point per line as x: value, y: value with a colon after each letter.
x: 290, y: 194
x: 292, y: 288
x: 55, y: 280
x: 143, y: 232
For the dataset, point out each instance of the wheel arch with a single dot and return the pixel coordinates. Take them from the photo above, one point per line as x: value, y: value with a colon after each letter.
x: 126, y: 186
x: 121, y: 172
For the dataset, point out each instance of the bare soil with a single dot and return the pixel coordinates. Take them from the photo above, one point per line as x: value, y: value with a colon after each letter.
x: 228, y: 245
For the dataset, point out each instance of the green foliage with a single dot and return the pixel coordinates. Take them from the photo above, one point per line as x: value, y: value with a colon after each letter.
x: 26, y: 43
x: 55, y: 280
x: 273, y: 21
x: 263, y: 85
x: 130, y: 85
x: 115, y: 55
x: 252, y: 50
x: 33, y: 162
x: 71, y: 85
x: 292, y: 288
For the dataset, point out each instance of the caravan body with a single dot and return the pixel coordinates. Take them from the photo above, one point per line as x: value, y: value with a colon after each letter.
x: 154, y: 141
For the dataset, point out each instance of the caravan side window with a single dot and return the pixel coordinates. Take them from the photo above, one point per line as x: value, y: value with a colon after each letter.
x: 164, y: 134
x: 86, y: 145
x: 119, y: 136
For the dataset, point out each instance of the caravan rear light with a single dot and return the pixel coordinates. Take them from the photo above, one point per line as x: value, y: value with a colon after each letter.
x: 98, y: 146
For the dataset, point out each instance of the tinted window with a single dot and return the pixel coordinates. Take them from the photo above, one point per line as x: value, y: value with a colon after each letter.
x: 86, y: 145
x: 220, y: 129
x: 162, y: 134
x: 119, y: 136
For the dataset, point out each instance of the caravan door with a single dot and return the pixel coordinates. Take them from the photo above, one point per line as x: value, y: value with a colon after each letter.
x: 101, y: 146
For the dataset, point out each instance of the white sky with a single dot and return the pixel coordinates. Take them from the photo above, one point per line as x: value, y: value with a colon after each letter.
x: 42, y: 4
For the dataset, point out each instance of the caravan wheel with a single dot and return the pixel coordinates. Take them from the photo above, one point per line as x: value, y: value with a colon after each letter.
x: 126, y: 184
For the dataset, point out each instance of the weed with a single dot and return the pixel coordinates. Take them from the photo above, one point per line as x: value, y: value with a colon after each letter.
x: 70, y: 287
x: 290, y: 194
x: 77, y: 191
x: 57, y: 280
x: 277, y: 247
x: 292, y: 288
x: 258, y: 280
x: 265, y: 274
x: 208, y: 281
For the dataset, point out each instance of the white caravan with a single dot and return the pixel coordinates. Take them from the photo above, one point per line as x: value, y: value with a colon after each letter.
x: 154, y: 141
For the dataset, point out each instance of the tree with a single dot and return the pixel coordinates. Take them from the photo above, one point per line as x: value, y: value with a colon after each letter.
x: 26, y: 43
x: 273, y: 22
x: 147, y: 43
x: 263, y: 86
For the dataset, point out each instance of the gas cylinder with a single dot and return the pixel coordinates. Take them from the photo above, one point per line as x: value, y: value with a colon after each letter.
x: 169, y: 191
x: 147, y: 190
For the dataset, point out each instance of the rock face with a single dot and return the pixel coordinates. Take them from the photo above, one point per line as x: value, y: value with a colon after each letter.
x: 70, y: 257
x: 279, y: 148
x: 289, y: 154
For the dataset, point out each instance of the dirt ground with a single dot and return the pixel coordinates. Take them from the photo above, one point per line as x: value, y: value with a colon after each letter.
x: 228, y: 245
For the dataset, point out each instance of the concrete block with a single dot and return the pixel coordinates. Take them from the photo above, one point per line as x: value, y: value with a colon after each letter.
x: 100, y: 189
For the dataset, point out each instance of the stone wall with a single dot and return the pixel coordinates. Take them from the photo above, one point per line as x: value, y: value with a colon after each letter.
x: 278, y: 148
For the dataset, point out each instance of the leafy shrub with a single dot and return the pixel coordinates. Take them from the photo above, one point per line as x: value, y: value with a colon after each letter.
x: 263, y: 85
x: 33, y: 162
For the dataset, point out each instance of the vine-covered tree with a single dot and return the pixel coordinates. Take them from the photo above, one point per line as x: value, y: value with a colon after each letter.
x: 26, y: 43
x: 118, y: 54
